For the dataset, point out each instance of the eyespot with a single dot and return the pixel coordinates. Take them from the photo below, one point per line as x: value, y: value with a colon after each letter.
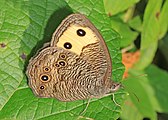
x: 67, y: 45
x: 45, y: 78
x: 62, y: 63
x: 81, y: 32
x: 62, y: 55
x: 46, y: 69
x: 57, y: 65
x: 42, y: 87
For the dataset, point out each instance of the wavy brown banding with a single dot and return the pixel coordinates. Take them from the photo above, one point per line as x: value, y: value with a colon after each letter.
x: 83, y: 76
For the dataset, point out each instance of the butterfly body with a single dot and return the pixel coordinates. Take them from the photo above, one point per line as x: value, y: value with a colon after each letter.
x: 75, y: 66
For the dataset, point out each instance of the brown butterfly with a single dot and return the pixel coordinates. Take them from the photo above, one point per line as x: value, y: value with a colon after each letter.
x: 76, y: 65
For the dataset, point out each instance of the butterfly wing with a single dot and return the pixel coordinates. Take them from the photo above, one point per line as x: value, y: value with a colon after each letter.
x: 77, y: 34
x: 61, y: 74
x: 76, y: 66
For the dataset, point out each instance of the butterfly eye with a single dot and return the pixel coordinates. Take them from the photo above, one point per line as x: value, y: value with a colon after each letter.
x: 67, y: 45
x: 46, y: 69
x: 63, y: 56
x: 115, y: 86
x: 42, y: 87
x: 44, y: 78
x: 81, y: 32
x: 62, y: 63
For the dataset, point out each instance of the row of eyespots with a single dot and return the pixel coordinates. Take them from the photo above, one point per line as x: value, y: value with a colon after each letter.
x: 61, y: 62
x: 67, y: 45
x: 45, y: 77
x: 79, y: 32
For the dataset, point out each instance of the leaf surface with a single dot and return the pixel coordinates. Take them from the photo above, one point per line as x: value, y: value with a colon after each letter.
x: 24, y: 27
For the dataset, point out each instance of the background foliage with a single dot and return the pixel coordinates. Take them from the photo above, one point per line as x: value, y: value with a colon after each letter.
x: 143, y: 25
x: 26, y: 25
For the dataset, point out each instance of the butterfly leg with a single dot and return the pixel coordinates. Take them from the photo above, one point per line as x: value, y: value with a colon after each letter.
x: 113, y: 97
x: 86, y: 107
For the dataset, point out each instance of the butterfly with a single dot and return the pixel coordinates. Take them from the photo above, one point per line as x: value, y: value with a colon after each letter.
x: 75, y: 66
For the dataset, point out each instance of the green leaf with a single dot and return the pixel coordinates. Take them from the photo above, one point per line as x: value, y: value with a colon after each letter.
x: 24, y: 27
x: 150, y: 33
x: 156, y: 88
x: 163, y: 20
x: 151, y: 92
x: 141, y: 106
x: 131, y: 112
x: 136, y: 23
x: 127, y: 35
x: 114, y: 7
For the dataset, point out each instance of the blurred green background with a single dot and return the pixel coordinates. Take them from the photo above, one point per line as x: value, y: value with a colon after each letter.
x: 143, y: 26
x: 126, y: 25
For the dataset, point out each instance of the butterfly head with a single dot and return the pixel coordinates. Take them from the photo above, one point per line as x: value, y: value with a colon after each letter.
x: 115, y: 86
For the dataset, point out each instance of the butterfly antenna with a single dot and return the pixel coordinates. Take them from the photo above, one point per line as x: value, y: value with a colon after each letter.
x: 136, y: 97
x: 142, y: 75
x: 133, y: 94
x: 86, y: 107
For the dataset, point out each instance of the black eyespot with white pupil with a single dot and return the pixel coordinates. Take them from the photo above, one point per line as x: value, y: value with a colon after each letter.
x: 44, y: 78
x: 41, y: 87
x: 67, y: 45
x: 62, y: 63
x: 81, y: 32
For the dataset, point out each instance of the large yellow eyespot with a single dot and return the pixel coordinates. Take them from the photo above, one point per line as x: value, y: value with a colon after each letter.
x: 45, y: 78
